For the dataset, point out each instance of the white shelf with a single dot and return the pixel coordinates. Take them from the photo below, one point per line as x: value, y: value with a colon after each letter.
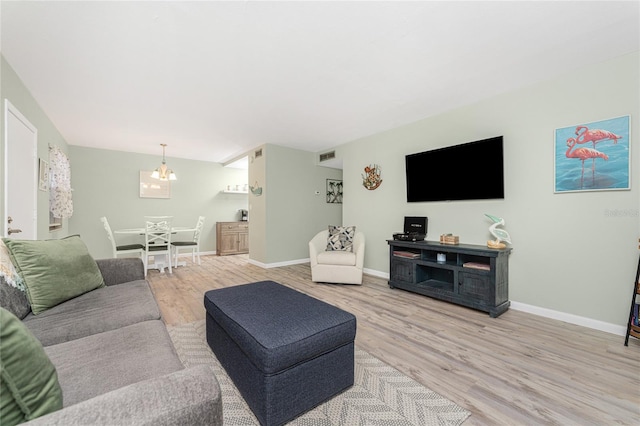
x: 235, y: 192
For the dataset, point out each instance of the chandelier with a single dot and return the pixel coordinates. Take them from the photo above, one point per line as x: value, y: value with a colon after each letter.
x: 163, y: 172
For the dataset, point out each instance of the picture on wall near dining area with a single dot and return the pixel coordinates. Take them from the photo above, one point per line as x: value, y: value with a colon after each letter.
x: 593, y: 156
x: 153, y: 188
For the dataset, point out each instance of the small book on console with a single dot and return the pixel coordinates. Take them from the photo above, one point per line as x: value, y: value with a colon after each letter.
x: 407, y: 254
x: 476, y: 265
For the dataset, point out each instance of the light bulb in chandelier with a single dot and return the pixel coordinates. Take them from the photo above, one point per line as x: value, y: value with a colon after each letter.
x: 163, y: 172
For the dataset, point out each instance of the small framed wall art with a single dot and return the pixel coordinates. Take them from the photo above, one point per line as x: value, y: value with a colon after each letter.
x: 593, y: 156
x: 334, y: 191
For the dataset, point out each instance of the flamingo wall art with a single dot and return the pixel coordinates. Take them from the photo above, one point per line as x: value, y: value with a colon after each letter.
x: 593, y: 156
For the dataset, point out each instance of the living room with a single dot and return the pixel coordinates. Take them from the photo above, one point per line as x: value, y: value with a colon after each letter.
x: 575, y: 242
x: 574, y: 254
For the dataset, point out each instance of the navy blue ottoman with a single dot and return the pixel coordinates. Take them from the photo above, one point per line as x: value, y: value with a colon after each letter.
x: 285, y: 351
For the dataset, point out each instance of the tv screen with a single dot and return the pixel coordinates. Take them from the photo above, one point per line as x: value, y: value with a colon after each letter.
x: 470, y: 171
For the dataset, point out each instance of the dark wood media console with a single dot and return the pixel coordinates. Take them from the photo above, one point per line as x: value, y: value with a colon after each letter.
x: 470, y: 275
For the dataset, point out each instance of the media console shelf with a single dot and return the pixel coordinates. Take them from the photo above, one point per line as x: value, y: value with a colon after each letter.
x: 469, y: 275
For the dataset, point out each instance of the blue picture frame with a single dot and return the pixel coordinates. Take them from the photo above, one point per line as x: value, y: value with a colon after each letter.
x: 593, y: 156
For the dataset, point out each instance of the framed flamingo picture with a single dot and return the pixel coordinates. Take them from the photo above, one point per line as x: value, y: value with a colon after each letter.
x: 593, y: 156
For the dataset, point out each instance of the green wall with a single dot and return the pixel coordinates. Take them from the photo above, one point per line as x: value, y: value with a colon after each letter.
x: 106, y: 183
x: 12, y: 88
x: 292, y: 207
x: 570, y: 254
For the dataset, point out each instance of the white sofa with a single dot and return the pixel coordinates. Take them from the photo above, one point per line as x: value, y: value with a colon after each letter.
x: 336, y: 266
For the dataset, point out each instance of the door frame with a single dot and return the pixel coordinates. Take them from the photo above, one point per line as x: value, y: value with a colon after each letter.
x: 9, y: 108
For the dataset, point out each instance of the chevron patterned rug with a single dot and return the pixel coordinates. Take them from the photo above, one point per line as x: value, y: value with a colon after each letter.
x: 381, y: 395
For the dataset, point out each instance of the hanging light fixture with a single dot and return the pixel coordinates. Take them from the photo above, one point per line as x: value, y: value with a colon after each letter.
x: 163, y: 172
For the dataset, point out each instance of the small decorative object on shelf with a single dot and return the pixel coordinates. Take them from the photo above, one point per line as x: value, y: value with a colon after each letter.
x: 372, y: 179
x: 500, y: 234
x: 407, y: 254
x: 477, y: 265
x: 449, y: 239
x: 235, y: 189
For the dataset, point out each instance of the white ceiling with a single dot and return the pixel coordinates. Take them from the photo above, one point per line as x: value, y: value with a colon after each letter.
x: 215, y: 79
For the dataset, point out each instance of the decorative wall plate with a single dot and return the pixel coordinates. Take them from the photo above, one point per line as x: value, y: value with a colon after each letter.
x: 372, y: 179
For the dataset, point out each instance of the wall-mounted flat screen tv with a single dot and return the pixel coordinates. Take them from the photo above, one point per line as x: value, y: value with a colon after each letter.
x: 469, y: 171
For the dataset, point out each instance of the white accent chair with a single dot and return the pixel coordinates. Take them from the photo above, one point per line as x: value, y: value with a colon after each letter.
x: 157, y: 240
x: 116, y: 250
x: 193, y: 245
x: 336, y: 266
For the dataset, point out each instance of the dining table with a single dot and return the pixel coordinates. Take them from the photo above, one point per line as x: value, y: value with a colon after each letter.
x: 159, y: 260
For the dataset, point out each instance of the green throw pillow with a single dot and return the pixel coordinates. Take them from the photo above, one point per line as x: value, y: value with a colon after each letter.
x: 54, y: 270
x: 29, y: 385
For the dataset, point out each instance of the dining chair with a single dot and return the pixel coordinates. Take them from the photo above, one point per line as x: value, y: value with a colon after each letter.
x: 157, y: 240
x: 193, y: 245
x: 125, y: 248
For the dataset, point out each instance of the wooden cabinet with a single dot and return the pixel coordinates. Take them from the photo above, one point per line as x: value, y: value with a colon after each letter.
x: 232, y: 238
x: 465, y: 274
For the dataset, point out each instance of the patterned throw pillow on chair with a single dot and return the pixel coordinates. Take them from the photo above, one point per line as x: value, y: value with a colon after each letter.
x: 341, y: 238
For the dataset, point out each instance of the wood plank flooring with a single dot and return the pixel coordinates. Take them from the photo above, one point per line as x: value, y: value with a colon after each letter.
x: 518, y: 369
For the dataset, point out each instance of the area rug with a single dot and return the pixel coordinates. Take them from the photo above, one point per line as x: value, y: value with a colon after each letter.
x: 381, y: 394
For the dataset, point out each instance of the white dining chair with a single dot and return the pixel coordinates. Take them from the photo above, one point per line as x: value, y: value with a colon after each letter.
x: 193, y: 245
x: 116, y: 250
x: 157, y: 240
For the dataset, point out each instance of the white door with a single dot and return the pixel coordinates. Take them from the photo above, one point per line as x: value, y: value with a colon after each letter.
x: 20, y: 175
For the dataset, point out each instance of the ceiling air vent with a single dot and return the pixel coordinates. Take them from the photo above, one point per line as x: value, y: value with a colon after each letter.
x: 258, y: 153
x: 327, y: 156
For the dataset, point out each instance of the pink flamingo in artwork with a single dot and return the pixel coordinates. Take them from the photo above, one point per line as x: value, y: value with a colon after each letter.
x: 595, y: 136
x: 584, y: 154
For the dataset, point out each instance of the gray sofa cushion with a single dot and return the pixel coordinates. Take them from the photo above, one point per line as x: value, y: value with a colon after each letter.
x: 100, y: 310
x: 103, y: 362
x: 13, y: 293
x: 186, y: 397
x: 13, y: 299
x: 121, y: 270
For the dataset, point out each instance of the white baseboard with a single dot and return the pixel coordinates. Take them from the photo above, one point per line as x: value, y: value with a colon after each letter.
x: 375, y: 273
x: 570, y: 318
x: 547, y: 313
x: 536, y: 310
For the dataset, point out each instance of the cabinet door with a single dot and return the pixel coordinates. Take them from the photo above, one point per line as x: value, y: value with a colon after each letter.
x: 229, y: 242
x: 402, y: 271
x: 243, y: 242
x: 475, y: 287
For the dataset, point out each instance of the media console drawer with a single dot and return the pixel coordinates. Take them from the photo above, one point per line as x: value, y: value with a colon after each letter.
x: 469, y: 275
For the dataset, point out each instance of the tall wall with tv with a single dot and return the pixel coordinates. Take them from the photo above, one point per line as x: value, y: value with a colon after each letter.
x: 574, y: 254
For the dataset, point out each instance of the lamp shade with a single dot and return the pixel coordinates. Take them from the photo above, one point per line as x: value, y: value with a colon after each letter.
x: 163, y: 172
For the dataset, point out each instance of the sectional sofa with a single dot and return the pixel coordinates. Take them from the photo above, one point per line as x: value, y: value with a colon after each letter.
x: 101, y: 356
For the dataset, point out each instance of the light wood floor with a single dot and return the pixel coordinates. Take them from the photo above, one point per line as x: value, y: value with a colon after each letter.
x: 518, y: 369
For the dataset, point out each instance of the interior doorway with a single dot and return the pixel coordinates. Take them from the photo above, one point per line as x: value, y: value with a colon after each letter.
x: 20, y: 175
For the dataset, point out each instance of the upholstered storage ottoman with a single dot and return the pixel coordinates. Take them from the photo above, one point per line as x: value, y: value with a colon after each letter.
x: 285, y: 351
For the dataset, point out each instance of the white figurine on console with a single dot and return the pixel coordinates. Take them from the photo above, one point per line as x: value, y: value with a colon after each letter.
x: 500, y: 234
